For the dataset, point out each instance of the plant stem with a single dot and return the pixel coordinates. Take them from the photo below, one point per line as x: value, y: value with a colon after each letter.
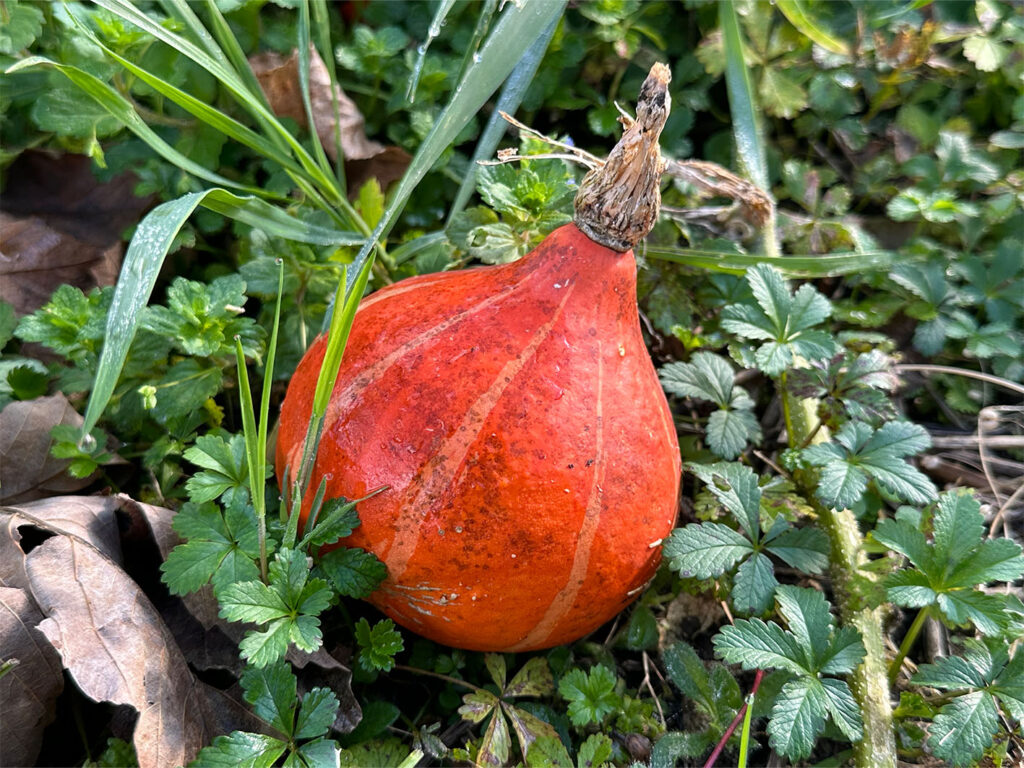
x: 908, y: 643
x: 743, y: 715
x: 869, y: 682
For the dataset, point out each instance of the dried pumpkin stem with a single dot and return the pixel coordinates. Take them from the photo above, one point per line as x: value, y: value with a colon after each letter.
x: 618, y: 203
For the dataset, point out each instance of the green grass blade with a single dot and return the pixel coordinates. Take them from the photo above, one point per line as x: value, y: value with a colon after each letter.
x: 274, y: 221
x: 322, y: 37
x: 142, y: 263
x: 483, y: 22
x: 268, y: 370
x: 254, y: 460
x: 121, y: 109
x: 443, y: 8
x: 519, y: 25
x: 238, y: 88
x: 221, y: 30
x: 304, y: 63
x: 413, y: 248
x: 511, y: 95
x: 742, y: 106
x: 832, y: 265
x: 801, y: 17
x: 145, y: 257
x: 337, y: 338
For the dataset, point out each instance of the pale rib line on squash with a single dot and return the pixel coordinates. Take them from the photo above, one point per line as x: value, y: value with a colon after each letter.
x: 449, y: 457
x: 584, y: 539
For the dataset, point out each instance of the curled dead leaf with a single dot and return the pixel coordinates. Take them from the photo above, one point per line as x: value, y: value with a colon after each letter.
x: 114, y: 644
x: 29, y: 691
x: 90, y: 518
x: 364, y: 158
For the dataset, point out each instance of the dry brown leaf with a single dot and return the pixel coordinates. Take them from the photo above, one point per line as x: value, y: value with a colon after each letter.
x: 90, y: 518
x: 117, y: 648
x: 60, y: 225
x: 364, y: 158
x: 29, y: 691
x: 27, y: 470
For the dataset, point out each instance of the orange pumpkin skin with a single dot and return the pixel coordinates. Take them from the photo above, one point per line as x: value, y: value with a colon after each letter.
x: 530, y: 457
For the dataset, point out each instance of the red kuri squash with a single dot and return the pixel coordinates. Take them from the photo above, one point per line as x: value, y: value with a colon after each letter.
x: 516, y: 418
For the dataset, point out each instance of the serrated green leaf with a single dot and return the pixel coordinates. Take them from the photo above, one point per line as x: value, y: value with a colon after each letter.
x: 271, y: 692
x: 990, y: 560
x: 987, y: 612
x: 705, y: 550
x: 338, y: 519
x: 353, y: 572
x: 252, y: 601
x: 807, y: 615
x: 910, y: 588
x: 261, y: 648
x: 739, y: 492
x: 986, y: 54
x: 476, y: 705
x: 781, y: 95
x: 957, y: 526
x: 706, y: 377
x: 729, y: 431
x: 840, y: 484
x: 754, y: 584
x: 317, y: 713
x: 844, y: 652
x: 950, y: 673
x: 844, y: 710
x: 378, y: 645
x: 495, y: 664
x: 964, y: 728
x: 797, y: 718
x: 533, y: 679
x: 595, y: 751
x: 591, y: 695
x: 241, y: 750
x: 806, y: 549
x: 906, y: 539
x: 548, y: 752
x: 322, y: 753
x: 755, y: 644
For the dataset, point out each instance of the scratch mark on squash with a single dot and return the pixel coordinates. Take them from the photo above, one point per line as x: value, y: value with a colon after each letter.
x: 585, y: 538
x: 447, y: 461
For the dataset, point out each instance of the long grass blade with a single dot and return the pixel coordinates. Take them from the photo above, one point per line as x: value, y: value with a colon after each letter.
x: 145, y: 257
x: 304, y: 64
x: 238, y: 88
x: 121, y: 109
x: 801, y: 17
x: 322, y: 38
x: 511, y: 95
x: 742, y: 106
x: 233, y: 51
x: 511, y: 37
x: 142, y: 263
x: 254, y: 460
x: 832, y: 265
x: 443, y: 9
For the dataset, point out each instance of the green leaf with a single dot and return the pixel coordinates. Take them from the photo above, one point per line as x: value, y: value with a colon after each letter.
x: 317, y: 713
x: 844, y: 652
x: 378, y: 645
x: 252, y: 601
x: 806, y: 549
x: 860, y: 452
x: 807, y: 614
x: 900, y: 536
x: 241, y: 750
x: 801, y: 16
x: 754, y: 584
x: 844, y: 710
x: 595, y: 751
x: 964, y: 728
x: 66, y: 111
x: 221, y: 546
x: 831, y: 265
x: 675, y: 744
x: 705, y: 550
x: 532, y: 679
x: 224, y: 467
x: 271, y: 692
x: 548, y: 752
x: 476, y: 705
x: 260, y: 648
x: 20, y: 25
x: 706, y: 377
x: 496, y: 742
x: 321, y: 753
x: 591, y: 695
x: 797, y: 717
x: 735, y: 486
x: 338, y: 519
x: 781, y: 94
x: 353, y: 572
x: 729, y: 431
x: 755, y: 644
x: 987, y: 54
